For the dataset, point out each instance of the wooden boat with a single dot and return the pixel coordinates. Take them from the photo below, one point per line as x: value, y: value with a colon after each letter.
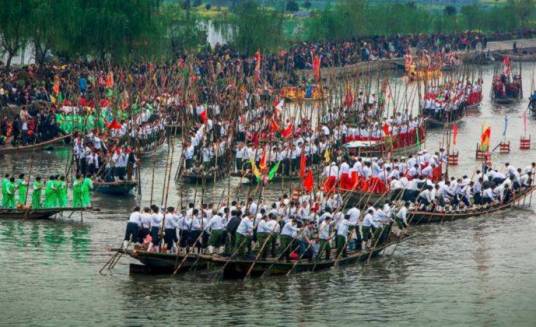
x: 153, y: 147
x: 200, y: 178
x: 238, y: 268
x: 43, y: 213
x: 446, y: 119
x: 114, y: 188
x: 292, y: 93
x: 162, y: 263
x: 379, y: 148
x: 424, y: 217
x: 36, y: 146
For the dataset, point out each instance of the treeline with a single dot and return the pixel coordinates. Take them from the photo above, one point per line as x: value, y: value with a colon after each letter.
x: 126, y: 31
x: 351, y: 18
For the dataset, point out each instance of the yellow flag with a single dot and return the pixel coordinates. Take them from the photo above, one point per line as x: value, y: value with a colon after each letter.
x: 254, y: 169
x: 327, y: 156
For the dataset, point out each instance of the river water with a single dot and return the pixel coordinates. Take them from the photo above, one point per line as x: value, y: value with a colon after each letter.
x: 478, y: 271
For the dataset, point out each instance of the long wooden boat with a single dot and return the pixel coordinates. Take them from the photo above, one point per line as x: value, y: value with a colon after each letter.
x: 379, y: 149
x: 423, y: 217
x: 153, y: 147
x: 191, y: 177
x: 114, y: 188
x: 162, y: 263
x: 36, y: 146
x: 43, y: 213
x: 238, y: 268
x: 437, y: 123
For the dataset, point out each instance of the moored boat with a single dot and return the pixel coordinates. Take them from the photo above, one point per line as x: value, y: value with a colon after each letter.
x: 35, y: 146
x: 28, y: 213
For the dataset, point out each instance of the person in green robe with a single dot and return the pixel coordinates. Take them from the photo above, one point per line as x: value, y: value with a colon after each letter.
x: 50, y: 192
x: 22, y: 187
x: 5, y: 180
x: 87, y: 186
x: 10, y: 193
x: 36, y: 194
x: 62, y: 192
x: 77, y: 192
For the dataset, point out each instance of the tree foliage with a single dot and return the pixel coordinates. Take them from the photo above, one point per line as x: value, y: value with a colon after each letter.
x: 256, y: 28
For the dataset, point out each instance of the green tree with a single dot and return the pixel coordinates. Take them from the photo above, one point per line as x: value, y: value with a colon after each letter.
x: 292, y: 6
x: 15, y: 24
x: 256, y: 28
x: 184, y: 29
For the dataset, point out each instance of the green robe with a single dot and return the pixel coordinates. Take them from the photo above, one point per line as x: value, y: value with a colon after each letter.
x: 10, y: 195
x: 50, y: 194
x: 62, y: 193
x: 87, y: 185
x: 77, y: 193
x: 36, y: 195
x: 4, y: 189
x: 23, y: 191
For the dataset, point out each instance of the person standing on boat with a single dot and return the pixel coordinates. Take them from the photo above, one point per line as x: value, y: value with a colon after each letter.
x: 324, y: 235
x: 146, y: 219
x: 77, y: 192
x: 5, y: 181
x: 156, y: 224
x: 62, y: 192
x: 87, y: 186
x: 133, y: 227
x: 22, y: 186
x: 231, y: 228
x: 171, y: 223
x: 343, y: 227
x: 50, y: 192
x: 36, y: 193
x: 10, y: 193
x: 244, y: 232
x: 288, y: 234
x: 216, y: 228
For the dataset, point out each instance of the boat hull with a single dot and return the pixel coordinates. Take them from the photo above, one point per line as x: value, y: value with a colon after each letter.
x: 34, y: 214
x: 114, y: 188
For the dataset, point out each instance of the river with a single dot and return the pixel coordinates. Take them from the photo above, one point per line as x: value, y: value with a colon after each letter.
x: 478, y: 271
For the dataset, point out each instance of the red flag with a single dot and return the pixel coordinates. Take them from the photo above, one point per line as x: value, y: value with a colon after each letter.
x: 349, y: 98
x: 204, y: 116
x: 308, y: 181
x: 262, y: 163
x: 114, y: 125
x: 287, y: 132
x: 454, y: 133
x: 303, y: 164
x: 316, y: 67
x: 258, y: 59
x: 109, y: 80
x: 386, y: 129
x: 274, y: 126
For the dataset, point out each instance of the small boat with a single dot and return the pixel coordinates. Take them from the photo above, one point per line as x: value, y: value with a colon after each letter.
x: 28, y: 213
x: 416, y: 217
x: 161, y: 263
x: 239, y: 268
x: 37, y: 146
x: 433, y: 122
x: 150, y: 149
x: 114, y: 188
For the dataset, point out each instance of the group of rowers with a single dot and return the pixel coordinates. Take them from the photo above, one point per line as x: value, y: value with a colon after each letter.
x: 278, y: 229
x: 307, y: 226
x: 46, y: 193
x: 439, y: 100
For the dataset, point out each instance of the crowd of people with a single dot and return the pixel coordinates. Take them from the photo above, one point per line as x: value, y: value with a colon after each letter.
x: 45, y: 193
x: 308, y: 226
x: 449, y: 100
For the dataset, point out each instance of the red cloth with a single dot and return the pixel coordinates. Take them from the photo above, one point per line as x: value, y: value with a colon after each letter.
x: 308, y: 181
x: 303, y: 164
x: 346, y: 182
x: 329, y: 184
x: 204, y: 117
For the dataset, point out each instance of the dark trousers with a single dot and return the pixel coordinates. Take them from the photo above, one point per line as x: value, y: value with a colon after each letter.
x: 131, y: 234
